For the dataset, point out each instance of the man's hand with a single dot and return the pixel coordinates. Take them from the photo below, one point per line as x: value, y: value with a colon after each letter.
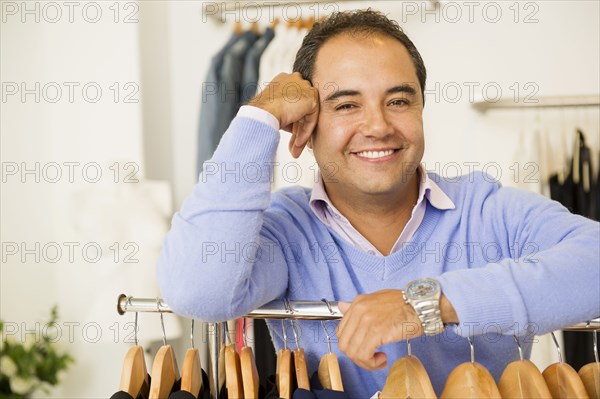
x: 295, y: 103
x: 373, y: 320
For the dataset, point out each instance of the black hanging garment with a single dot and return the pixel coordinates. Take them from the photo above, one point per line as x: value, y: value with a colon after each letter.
x: 144, y: 391
x: 575, y: 193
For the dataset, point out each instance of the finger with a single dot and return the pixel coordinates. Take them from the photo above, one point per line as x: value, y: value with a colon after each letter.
x: 342, y: 325
x: 344, y: 306
x: 379, y: 361
x: 309, y: 122
x: 348, y: 328
x: 294, y: 132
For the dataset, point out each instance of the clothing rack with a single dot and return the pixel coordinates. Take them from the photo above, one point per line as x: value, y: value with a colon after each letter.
x: 541, y: 102
x: 217, y: 10
x: 277, y: 309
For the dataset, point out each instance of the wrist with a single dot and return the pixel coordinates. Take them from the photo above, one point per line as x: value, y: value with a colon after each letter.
x: 449, y: 315
x: 424, y: 296
x: 267, y: 106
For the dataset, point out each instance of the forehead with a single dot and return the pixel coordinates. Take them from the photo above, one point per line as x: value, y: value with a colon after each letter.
x: 359, y: 59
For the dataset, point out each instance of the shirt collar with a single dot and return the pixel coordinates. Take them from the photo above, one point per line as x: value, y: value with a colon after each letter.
x: 319, y: 199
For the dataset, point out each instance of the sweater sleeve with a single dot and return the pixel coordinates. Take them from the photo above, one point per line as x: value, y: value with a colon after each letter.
x: 550, y: 281
x: 218, y: 262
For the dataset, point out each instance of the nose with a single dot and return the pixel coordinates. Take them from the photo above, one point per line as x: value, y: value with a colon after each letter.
x: 376, y: 123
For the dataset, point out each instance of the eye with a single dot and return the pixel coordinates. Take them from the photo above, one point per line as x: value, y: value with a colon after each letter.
x: 345, y: 107
x: 399, y: 102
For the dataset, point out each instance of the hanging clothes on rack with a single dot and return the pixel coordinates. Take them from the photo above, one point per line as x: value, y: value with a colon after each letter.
x: 574, y: 191
x: 210, y: 108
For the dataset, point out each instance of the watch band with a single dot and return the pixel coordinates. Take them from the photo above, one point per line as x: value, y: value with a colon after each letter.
x: 430, y: 316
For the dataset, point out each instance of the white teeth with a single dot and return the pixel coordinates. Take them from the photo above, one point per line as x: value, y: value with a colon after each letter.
x: 374, y: 154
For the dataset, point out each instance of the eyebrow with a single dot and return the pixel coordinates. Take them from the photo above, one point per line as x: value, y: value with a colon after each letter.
x: 404, y: 88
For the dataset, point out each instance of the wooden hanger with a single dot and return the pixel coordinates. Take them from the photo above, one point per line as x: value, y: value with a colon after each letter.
x: 275, y: 23
x: 254, y: 28
x: 302, y: 380
x: 249, y: 372
x: 590, y: 373
x: 164, y: 368
x: 407, y: 379
x: 164, y: 373
x: 309, y: 23
x: 329, y: 372
x: 134, y: 373
x: 301, y: 371
x: 470, y: 380
x: 233, y: 373
x: 191, y: 372
x: 590, y: 376
x: 284, y: 376
x: 237, y: 28
x: 562, y: 380
x: 521, y: 379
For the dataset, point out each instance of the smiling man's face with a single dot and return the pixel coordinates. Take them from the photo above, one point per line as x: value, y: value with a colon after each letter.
x: 369, y: 139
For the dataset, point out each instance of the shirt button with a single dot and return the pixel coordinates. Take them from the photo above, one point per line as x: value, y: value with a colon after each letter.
x: 372, y: 252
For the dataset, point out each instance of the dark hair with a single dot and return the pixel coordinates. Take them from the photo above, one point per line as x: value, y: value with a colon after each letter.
x: 363, y: 22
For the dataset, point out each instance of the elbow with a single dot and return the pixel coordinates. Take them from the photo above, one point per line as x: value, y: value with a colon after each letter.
x: 190, y: 292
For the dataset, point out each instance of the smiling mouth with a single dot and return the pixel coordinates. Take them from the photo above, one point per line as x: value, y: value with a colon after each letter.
x: 375, y: 154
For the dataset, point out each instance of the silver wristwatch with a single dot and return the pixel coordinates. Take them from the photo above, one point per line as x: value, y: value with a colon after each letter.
x: 424, y: 296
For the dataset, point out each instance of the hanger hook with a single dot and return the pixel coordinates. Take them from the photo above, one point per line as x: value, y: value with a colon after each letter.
x: 135, y: 329
x: 409, y: 347
x: 596, y: 346
x: 244, y: 331
x: 560, y: 358
x: 472, y: 349
x: 290, y: 310
x: 518, y: 346
x: 327, y: 333
x: 135, y: 325
x: 162, y: 321
x: 192, y: 334
x: 328, y: 306
x: 284, y: 334
x: 323, y: 323
x: 227, y: 333
x: 295, y: 334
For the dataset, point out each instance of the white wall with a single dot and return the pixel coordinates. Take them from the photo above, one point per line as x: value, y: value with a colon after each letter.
x: 52, y: 50
x: 559, y: 54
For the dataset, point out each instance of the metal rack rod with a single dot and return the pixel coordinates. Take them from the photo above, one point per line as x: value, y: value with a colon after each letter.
x: 303, y: 310
x: 252, y: 11
x: 541, y: 102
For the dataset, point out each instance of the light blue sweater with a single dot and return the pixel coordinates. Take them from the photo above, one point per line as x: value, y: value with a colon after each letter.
x: 509, y: 261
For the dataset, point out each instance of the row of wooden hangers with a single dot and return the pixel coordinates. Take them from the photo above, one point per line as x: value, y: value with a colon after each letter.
x: 165, y: 372
x: 241, y: 376
x: 407, y: 377
x: 300, y: 23
x: 521, y: 379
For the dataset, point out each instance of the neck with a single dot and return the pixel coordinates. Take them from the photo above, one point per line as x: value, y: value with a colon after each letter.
x: 380, y: 218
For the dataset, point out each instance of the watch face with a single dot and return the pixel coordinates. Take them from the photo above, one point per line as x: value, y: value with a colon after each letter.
x: 422, y: 289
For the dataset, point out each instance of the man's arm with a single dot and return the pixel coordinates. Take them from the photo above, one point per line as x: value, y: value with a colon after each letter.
x: 552, y: 280
x: 220, y: 259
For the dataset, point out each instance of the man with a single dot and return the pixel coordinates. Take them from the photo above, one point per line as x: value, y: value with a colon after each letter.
x: 374, y: 224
